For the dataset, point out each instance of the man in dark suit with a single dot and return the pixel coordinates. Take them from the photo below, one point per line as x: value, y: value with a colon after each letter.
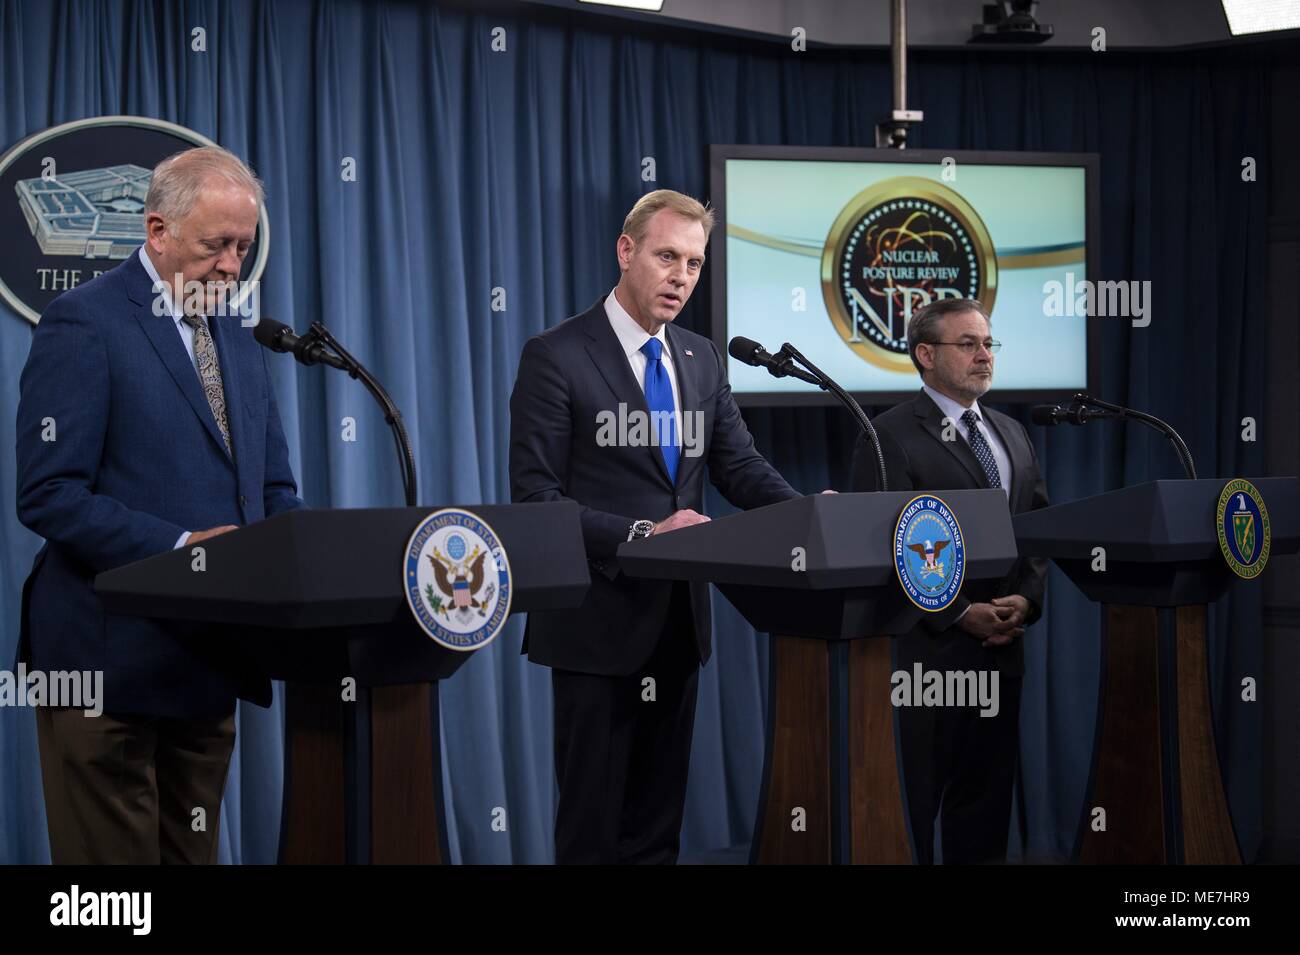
x: 145, y: 423
x: 625, y: 664
x: 957, y: 763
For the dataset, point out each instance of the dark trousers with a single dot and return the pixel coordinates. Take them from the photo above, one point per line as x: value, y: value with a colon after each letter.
x: 621, y: 759
x: 960, y: 767
x: 124, y: 789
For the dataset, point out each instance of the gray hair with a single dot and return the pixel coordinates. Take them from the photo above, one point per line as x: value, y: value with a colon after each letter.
x: 179, y: 180
x: 924, y: 326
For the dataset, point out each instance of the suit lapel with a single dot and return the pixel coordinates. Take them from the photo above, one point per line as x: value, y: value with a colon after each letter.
x: 1004, y: 435
x: 688, y: 394
x: 931, y: 421
x: 611, y: 362
x: 166, y: 340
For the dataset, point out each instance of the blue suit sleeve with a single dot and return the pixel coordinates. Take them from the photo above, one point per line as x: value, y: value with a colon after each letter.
x: 63, y: 414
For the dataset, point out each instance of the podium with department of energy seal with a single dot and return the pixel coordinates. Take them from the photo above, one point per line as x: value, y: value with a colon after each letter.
x: 819, y: 574
x: 361, y: 612
x: 1155, y: 556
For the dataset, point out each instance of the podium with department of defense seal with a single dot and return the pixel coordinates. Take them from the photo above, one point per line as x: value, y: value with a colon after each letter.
x: 361, y: 612
x: 821, y: 575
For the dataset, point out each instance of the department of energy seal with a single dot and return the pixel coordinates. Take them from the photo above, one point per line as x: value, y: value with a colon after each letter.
x: 898, y: 245
x: 929, y: 553
x: 1245, y: 536
x: 456, y: 578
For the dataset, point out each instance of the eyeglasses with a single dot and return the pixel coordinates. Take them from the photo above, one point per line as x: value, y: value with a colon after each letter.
x: 970, y: 347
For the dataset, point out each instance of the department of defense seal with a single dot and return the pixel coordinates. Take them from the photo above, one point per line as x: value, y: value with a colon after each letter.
x: 929, y: 553
x: 456, y: 578
x: 1243, y: 527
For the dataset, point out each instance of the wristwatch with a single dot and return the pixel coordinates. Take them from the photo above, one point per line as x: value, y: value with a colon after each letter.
x: 639, y: 530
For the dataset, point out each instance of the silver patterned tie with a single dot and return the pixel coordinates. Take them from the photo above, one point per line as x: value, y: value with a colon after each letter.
x: 205, y: 353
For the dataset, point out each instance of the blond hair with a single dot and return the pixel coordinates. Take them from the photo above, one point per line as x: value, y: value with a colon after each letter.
x: 638, y: 219
x: 180, y: 179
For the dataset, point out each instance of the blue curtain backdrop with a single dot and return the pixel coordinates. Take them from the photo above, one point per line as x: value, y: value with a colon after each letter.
x: 479, y: 169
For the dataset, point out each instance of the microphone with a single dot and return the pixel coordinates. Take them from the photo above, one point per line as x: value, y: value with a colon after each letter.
x: 1084, y: 407
x: 1049, y: 415
x: 319, y: 346
x: 781, y: 365
x: 308, y: 349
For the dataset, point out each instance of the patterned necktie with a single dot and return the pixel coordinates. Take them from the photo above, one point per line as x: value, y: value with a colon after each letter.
x: 205, y: 353
x: 659, y: 399
x: 983, y: 453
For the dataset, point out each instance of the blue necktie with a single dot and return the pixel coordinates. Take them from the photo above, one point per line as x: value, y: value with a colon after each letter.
x: 983, y: 453
x: 659, y: 399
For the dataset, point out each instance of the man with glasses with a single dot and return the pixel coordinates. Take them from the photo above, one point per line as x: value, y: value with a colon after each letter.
x: 960, y: 765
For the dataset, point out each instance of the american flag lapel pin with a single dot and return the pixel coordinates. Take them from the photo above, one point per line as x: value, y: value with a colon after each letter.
x: 689, y: 353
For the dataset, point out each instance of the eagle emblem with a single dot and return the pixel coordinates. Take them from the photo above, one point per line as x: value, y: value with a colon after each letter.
x: 929, y: 553
x: 927, y: 532
x: 458, y: 582
x: 1244, y: 529
x: 457, y: 579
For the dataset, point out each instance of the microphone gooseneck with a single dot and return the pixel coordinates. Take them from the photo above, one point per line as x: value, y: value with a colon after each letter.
x: 782, y: 364
x: 318, y: 346
x: 1083, y: 407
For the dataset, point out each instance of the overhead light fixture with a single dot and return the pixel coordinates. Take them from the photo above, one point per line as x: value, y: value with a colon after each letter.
x: 1261, y: 16
x: 1010, y: 21
x: 652, y: 5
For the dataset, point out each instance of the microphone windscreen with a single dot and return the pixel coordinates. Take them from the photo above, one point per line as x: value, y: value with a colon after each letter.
x: 743, y: 349
x: 1045, y: 414
x: 269, y: 333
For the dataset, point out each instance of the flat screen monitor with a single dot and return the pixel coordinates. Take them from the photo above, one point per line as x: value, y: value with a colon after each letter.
x: 834, y: 249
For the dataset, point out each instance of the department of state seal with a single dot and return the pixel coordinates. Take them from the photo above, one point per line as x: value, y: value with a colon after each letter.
x: 456, y: 578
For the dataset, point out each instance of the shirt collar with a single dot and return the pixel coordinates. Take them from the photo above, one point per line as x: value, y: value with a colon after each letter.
x: 630, y: 335
x: 952, y: 409
x: 158, y: 283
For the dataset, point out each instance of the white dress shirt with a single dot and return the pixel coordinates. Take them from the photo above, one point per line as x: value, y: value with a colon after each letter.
x: 954, y: 410
x: 633, y: 337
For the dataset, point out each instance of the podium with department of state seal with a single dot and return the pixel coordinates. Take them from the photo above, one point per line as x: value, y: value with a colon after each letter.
x: 1155, y: 556
x: 831, y: 577
x: 361, y: 612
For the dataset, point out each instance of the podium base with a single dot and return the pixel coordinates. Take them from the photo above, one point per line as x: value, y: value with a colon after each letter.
x: 1155, y: 769
x: 362, y: 779
x: 831, y: 788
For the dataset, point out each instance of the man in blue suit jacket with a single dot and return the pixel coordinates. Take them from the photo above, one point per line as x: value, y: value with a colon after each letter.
x: 145, y: 423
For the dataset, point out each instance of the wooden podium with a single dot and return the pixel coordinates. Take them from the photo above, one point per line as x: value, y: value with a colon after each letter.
x: 1155, y: 768
x: 831, y: 744
x: 313, y: 597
